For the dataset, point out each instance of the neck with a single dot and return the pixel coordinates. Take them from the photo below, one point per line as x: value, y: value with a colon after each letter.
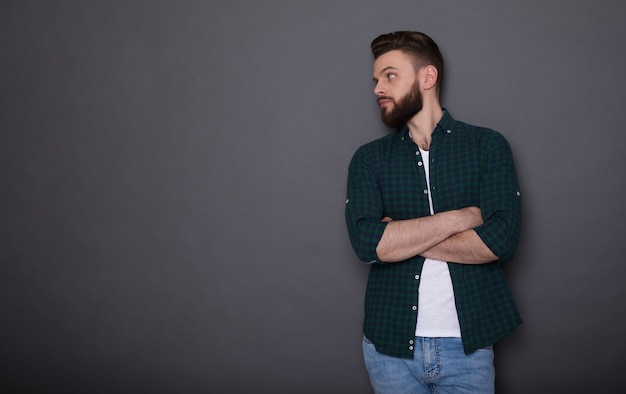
x: 423, y: 124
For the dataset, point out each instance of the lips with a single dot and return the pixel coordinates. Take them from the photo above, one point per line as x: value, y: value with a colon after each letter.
x: 383, y: 102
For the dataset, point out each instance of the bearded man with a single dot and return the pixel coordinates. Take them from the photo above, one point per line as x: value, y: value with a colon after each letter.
x: 434, y: 208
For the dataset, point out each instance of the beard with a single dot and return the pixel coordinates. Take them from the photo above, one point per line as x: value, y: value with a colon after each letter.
x: 403, y: 110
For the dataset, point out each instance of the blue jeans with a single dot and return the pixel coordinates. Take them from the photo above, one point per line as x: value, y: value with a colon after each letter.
x: 439, y: 365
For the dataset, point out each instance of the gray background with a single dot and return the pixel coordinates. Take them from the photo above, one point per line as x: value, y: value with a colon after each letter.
x: 173, y: 184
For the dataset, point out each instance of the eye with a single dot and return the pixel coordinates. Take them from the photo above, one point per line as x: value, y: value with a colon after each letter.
x: 391, y: 76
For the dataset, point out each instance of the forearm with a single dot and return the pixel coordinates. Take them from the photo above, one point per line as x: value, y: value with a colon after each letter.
x: 404, y: 239
x: 465, y: 247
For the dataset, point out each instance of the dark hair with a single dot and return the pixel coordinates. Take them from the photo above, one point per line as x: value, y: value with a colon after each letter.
x: 417, y: 45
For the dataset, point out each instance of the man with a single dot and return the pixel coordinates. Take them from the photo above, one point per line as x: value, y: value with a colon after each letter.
x: 433, y: 207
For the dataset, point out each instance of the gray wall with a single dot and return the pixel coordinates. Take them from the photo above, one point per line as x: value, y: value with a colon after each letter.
x: 173, y: 178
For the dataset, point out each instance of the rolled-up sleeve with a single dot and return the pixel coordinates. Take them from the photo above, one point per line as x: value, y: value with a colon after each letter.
x: 364, y: 207
x: 500, y: 198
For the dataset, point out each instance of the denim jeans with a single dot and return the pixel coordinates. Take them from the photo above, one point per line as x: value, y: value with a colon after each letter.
x: 439, y: 365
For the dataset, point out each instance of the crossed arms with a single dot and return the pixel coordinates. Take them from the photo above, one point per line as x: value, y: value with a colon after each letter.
x: 446, y: 236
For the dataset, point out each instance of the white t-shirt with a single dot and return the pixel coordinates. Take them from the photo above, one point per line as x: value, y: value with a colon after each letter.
x: 436, y: 316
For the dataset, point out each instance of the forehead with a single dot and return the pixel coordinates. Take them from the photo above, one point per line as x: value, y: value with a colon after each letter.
x: 395, y: 59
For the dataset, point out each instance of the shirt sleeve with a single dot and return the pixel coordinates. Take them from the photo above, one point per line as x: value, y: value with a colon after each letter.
x: 500, y: 198
x: 364, y: 207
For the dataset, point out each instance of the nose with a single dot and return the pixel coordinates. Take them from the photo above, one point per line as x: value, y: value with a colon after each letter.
x: 379, y: 89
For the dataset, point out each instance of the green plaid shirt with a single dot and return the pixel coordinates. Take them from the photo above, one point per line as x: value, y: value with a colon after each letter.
x: 469, y: 166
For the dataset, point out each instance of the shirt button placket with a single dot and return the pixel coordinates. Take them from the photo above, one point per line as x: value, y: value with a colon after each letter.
x: 419, y: 163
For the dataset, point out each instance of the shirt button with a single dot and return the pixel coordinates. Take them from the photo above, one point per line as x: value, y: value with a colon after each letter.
x: 411, y: 342
x: 410, y: 347
x: 419, y: 163
x: 425, y: 191
x: 417, y: 276
x: 417, y: 153
x: 448, y: 131
x: 414, y: 307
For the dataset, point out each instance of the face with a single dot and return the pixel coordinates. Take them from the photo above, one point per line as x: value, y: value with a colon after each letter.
x: 397, y: 88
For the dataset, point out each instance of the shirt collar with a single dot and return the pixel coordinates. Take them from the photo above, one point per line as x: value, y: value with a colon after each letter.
x: 445, y: 124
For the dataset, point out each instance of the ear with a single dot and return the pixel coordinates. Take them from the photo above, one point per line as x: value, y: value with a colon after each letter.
x: 429, y: 77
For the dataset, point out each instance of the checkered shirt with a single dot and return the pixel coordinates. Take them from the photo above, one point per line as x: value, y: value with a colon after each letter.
x: 469, y: 166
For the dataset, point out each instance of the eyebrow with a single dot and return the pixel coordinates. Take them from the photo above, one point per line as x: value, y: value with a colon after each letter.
x: 383, y: 71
